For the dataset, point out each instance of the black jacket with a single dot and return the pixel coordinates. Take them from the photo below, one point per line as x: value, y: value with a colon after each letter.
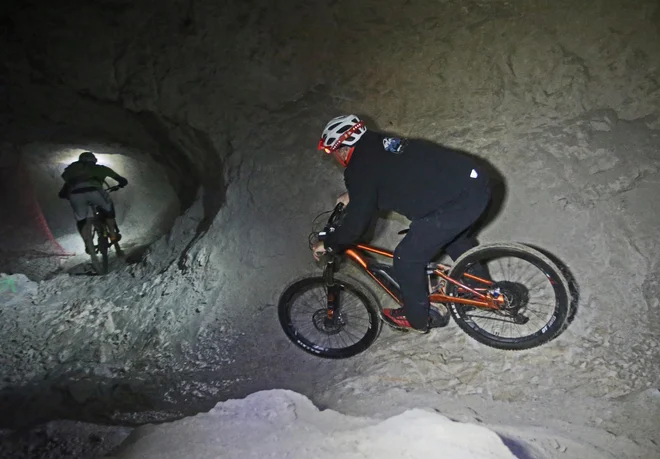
x: 416, y: 181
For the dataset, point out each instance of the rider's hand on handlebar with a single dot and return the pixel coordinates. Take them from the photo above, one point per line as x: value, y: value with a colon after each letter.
x: 318, y: 250
x: 343, y: 198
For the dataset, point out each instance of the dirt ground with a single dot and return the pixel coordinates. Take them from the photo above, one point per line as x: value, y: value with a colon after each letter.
x: 562, y: 100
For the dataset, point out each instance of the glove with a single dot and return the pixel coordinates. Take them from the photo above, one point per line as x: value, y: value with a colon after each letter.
x: 122, y: 182
x: 64, y: 192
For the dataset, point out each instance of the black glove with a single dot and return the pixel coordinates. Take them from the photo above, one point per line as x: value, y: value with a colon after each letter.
x: 64, y: 192
x: 122, y: 182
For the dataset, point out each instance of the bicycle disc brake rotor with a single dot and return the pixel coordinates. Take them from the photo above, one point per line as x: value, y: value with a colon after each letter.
x: 516, y: 297
x: 326, y: 325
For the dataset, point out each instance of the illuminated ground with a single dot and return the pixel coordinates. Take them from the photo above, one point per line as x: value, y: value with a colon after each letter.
x: 562, y: 99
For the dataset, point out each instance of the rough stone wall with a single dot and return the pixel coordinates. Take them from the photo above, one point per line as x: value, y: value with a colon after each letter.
x: 562, y: 98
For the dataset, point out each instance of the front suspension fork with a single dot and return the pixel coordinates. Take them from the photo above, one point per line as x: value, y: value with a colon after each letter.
x: 333, y: 291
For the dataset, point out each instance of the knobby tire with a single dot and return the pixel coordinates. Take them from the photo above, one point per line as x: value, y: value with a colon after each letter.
x: 295, y: 290
x: 558, y: 320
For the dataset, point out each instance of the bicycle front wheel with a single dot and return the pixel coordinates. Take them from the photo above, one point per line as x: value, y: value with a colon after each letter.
x: 302, y: 311
x: 535, y: 297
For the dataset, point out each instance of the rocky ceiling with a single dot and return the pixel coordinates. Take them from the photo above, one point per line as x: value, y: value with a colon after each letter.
x: 217, y: 107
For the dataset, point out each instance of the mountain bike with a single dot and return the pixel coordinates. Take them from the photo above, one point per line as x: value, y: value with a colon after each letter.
x: 101, y: 233
x: 524, y: 304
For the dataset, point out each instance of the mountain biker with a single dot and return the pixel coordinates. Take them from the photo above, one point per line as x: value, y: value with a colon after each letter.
x: 83, y: 188
x: 443, y: 192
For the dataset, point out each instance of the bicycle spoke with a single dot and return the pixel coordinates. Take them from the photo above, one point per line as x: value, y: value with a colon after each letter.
x: 343, y: 340
x: 489, y: 318
x: 353, y: 319
x: 311, y: 308
x: 537, y: 314
x: 505, y: 275
x: 355, y: 338
x: 509, y: 271
x: 322, y: 295
x: 529, y: 296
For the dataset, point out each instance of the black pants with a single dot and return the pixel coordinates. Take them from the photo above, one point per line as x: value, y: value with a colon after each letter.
x: 448, y: 228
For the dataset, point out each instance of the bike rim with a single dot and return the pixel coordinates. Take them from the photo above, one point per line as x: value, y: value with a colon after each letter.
x: 100, y: 266
x: 531, y: 300
x: 104, y: 245
x: 308, y: 319
x: 91, y: 248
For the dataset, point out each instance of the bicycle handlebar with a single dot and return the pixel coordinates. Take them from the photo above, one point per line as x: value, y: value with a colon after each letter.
x: 335, y: 216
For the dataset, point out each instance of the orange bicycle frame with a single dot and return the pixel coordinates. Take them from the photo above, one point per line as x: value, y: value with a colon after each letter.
x: 482, y: 300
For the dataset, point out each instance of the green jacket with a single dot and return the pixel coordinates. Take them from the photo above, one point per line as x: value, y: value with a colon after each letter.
x: 85, y: 172
x: 90, y: 174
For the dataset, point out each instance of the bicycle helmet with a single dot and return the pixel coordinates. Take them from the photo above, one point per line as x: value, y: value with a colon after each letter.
x: 342, y: 130
x: 87, y: 157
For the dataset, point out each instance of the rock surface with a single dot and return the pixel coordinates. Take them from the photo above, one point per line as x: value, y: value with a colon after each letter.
x: 562, y: 99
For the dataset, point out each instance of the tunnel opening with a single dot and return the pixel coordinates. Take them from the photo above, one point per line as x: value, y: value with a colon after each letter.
x: 145, y: 209
x: 128, y: 84
x: 38, y: 235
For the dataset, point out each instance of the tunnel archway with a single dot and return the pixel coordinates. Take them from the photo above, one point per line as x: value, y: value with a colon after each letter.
x: 145, y: 209
x: 39, y: 236
x: 231, y: 100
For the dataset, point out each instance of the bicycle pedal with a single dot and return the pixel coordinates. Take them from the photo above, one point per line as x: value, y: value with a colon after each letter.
x: 437, y: 320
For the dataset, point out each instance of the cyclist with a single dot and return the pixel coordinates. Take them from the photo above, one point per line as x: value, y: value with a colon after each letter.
x: 83, y: 188
x: 443, y: 192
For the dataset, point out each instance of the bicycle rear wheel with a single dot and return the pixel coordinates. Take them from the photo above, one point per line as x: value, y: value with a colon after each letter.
x: 536, y: 297
x: 90, y: 248
x: 103, y: 245
x: 302, y: 312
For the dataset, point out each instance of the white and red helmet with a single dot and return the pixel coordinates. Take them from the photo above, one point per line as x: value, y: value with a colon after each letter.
x: 342, y: 130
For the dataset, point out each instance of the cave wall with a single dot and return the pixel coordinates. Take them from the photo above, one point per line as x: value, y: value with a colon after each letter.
x: 562, y: 98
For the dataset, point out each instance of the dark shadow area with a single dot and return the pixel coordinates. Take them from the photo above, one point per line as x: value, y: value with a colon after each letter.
x: 214, y: 187
x: 136, y: 253
x: 194, y: 158
x: 126, y: 401
x: 573, y: 286
x: 181, y: 171
x: 115, y: 263
x: 91, y: 399
x: 517, y: 449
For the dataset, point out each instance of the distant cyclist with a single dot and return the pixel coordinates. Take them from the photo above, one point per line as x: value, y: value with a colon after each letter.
x: 443, y: 192
x: 83, y: 188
